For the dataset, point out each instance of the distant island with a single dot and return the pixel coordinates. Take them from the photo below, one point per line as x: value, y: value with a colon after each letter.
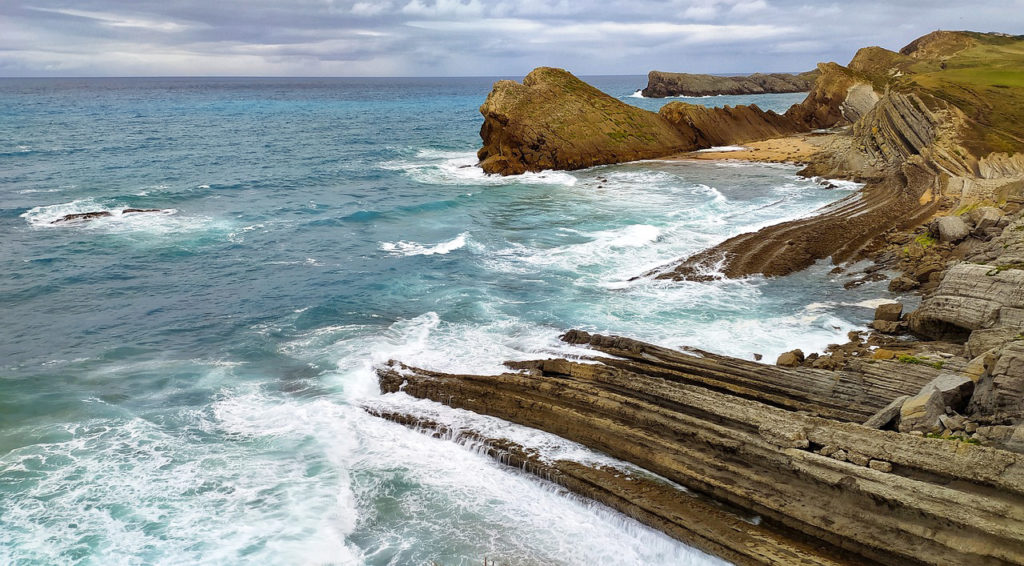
x: 661, y: 84
x: 904, y: 445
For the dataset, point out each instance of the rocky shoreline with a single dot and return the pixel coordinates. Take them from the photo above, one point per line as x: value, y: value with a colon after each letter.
x: 904, y: 445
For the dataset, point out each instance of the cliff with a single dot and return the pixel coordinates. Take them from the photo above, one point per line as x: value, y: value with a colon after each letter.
x: 661, y: 84
x: 555, y: 121
x: 941, y: 122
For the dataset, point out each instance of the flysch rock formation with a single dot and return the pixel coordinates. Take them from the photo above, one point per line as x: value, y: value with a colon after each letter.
x: 661, y: 84
x: 782, y: 444
x: 553, y: 120
x: 904, y: 446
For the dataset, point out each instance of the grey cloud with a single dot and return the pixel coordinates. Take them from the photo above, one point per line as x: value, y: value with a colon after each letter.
x: 464, y: 37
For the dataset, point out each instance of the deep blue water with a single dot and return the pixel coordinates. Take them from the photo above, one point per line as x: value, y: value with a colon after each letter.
x: 184, y: 387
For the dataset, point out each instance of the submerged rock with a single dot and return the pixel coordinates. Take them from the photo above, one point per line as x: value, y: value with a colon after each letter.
x: 82, y: 216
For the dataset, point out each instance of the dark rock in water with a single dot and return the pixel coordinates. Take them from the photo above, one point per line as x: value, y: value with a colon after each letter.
x: 100, y: 214
x: 82, y: 216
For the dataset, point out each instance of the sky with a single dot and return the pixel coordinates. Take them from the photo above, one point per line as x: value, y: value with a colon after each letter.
x: 464, y: 37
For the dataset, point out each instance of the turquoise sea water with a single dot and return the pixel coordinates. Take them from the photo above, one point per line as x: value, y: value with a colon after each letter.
x: 184, y: 387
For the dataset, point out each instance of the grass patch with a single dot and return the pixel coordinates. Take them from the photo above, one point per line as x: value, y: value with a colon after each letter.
x: 909, y: 359
x: 1001, y: 268
x: 925, y: 241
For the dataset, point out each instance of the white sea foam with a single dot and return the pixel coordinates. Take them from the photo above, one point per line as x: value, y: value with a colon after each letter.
x: 164, y: 222
x: 638, y: 94
x: 460, y: 168
x: 722, y: 149
x: 405, y: 248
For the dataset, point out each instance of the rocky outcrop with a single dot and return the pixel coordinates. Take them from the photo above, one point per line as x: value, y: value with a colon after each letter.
x: 661, y: 84
x: 704, y: 127
x: 555, y: 121
x: 709, y: 425
x: 82, y: 216
x: 971, y: 297
x: 838, y: 231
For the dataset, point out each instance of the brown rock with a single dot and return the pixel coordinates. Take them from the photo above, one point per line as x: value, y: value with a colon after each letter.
x: 883, y: 354
x: 555, y: 121
x: 888, y: 327
x: 792, y: 358
x: 889, y: 312
x: 903, y: 284
x: 880, y: 465
x: 921, y: 412
x: 887, y: 414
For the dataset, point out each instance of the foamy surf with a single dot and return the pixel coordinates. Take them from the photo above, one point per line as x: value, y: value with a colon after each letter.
x: 116, y: 220
x: 462, y: 168
x: 722, y: 149
x: 405, y: 248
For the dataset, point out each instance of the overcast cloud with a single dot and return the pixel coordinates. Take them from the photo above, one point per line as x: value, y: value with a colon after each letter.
x: 463, y: 37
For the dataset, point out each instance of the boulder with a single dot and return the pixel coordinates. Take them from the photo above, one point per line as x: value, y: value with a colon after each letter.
x: 985, y: 217
x: 902, y: 284
x: 951, y: 228
x: 922, y: 411
x: 956, y: 389
x: 887, y: 414
x: 889, y: 327
x: 889, y: 312
x: 924, y: 273
x: 980, y: 365
x: 792, y: 358
x: 883, y: 354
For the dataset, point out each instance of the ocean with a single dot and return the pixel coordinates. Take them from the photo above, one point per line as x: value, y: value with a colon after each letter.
x: 186, y: 386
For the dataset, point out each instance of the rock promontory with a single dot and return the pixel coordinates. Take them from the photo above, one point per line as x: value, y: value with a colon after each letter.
x: 553, y: 120
x: 661, y: 84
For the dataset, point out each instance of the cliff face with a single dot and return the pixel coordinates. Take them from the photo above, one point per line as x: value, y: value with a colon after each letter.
x: 555, y: 121
x: 661, y: 84
x: 706, y: 127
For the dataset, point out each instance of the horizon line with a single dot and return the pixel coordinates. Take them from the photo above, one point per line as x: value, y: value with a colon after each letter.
x: 362, y: 76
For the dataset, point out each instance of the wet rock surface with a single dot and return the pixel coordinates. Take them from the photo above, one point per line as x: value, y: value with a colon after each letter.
x: 780, y: 443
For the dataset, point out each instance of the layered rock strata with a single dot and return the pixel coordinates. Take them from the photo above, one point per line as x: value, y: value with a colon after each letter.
x: 661, y: 84
x: 712, y: 427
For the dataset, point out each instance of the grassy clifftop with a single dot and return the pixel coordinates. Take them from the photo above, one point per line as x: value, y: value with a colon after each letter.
x: 981, y: 74
x: 553, y: 120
